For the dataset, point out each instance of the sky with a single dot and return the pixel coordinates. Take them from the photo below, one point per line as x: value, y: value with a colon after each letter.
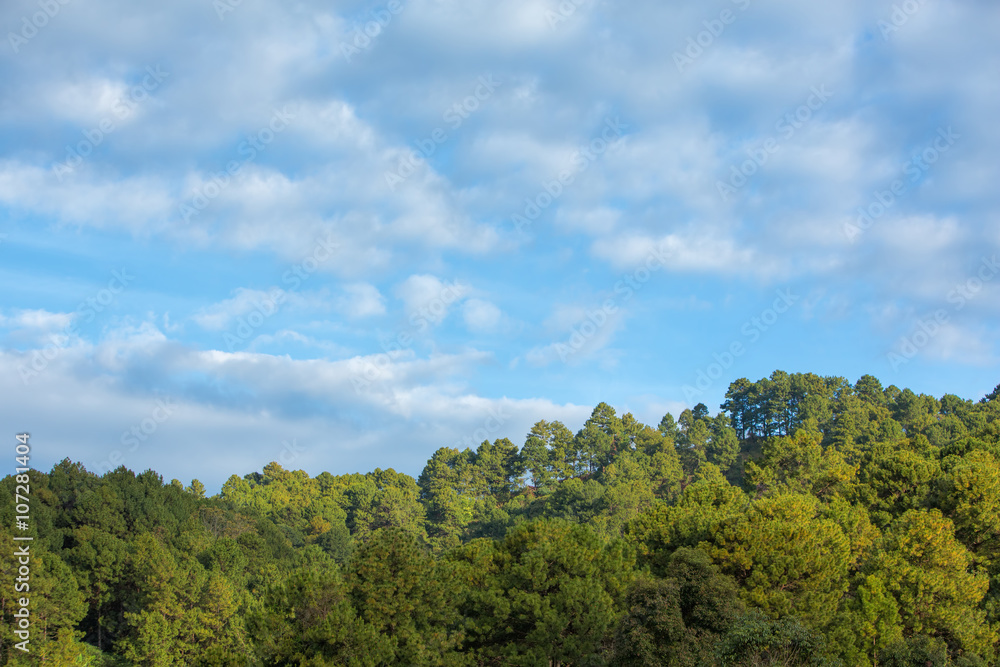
x: 342, y: 235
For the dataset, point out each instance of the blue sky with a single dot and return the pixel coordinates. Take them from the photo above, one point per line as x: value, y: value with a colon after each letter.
x: 341, y: 237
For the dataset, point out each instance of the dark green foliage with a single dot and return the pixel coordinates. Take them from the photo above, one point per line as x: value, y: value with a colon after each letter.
x: 306, y: 618
x: 549, y: 591
x: 917, y: 651
x: 576, y: 500
x: 813, y: 522
x: 407, y: 598
x: 755, y: 639
x: 677, y: 620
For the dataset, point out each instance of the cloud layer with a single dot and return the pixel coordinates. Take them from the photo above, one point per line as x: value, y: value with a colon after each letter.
x: 442, y: 198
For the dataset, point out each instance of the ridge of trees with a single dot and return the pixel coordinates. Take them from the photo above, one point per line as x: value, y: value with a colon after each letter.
x: 810, y: 522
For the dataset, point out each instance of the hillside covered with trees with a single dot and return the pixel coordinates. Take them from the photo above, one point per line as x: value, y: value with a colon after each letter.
x: 810, y: 522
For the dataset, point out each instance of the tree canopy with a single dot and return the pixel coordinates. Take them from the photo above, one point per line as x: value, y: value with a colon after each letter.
x: 810, y: 521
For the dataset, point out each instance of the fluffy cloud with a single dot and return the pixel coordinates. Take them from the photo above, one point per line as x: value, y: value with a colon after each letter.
x: 221, y: 315
x: 430, y: 297
x: 362, y: 300
x: 215, y: 197
x: 122, y: 399
x: 481, y: 316
x: 39, y: 320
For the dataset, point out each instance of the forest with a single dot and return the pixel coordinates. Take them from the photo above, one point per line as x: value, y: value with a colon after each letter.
x: 811, y: 521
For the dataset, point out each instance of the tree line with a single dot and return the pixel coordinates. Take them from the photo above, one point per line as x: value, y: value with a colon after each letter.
x: 811, y: 521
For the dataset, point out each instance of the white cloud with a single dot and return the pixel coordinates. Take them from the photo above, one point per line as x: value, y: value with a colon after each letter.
x: 88, y: 101
x: 653, y: 409
x: 135, y: 203
x: 429, y: 297
x: 355, y: 121
x: 950, y: 342
x: 233, y: 412
x: 221, y: 315
x: 41, y: 320
x: 701, y: 254
x: 361, y: 300
x: 919, y: 235
x: 481, y: 316
x: 583, y: 334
